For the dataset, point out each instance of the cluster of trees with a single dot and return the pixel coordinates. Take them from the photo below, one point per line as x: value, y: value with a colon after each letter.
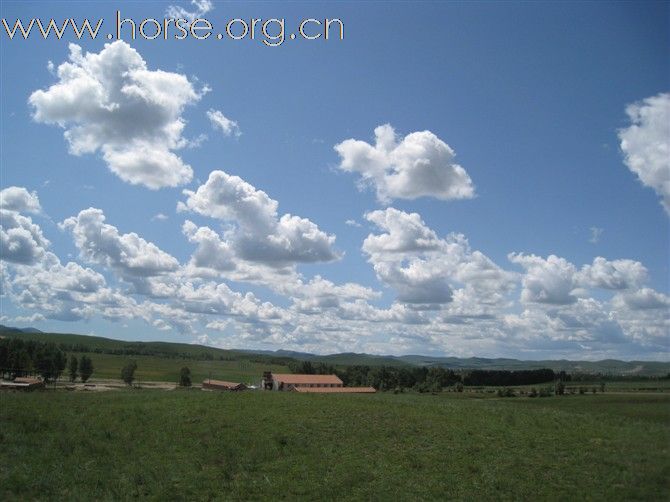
x: 309, y: 368
x: 510, y: 378
x: 29, y: 357
x: 426, y: 379
x: 423, y: 379
x: 21, y: 358
x: 82, y: 368
x: 601, y: 377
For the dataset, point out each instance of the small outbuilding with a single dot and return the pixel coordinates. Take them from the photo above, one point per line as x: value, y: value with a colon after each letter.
x: 210, y: 384
x: 23, y: 383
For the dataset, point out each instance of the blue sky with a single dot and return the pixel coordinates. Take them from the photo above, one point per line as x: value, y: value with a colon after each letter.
x: 484, y: 179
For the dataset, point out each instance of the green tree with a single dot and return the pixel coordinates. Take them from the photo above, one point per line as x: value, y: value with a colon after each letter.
x: 74, y: 366
x: 85, y: 368
x: 50, y: 362
x: 185, y: 377
x: 128, y: 372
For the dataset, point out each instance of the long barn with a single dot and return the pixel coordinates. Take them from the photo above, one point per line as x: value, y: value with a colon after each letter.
x: 309, y: 383
x: 286, y: 381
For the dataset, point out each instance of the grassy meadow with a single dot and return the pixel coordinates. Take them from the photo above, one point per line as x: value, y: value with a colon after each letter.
x: 189, y: 444
x: 162, y: 369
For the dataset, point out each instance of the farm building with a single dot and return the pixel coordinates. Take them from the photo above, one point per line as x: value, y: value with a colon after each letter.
x: 23, y: 383
x: 284, y: 381
x: 336, y: 390
x: 210, y: 384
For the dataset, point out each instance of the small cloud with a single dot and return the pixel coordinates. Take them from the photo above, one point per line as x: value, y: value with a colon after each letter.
x: 220, y: 121
x: 352, y: 223
x: 596, y: 233
x: 196, y: 142
x: 159, y: 217
x: 30, y: 319
x: 161, y: 325
x: 201, y: 7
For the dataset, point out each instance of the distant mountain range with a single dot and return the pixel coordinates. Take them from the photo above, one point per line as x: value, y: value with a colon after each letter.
x: 169, y: 349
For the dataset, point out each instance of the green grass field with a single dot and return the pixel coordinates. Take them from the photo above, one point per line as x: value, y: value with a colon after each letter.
x: 167, y: 370
x: 196, y: 445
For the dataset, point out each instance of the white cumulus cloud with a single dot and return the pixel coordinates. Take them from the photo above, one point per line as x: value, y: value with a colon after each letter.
x: 21, y: 240
x: 128, y: 254
x: 646, y: 144
x: 111, y: 102
x: 550, y: 281
x: 418, y: 165
x: 425, y: 269
x: 20, y: 200
x: 259, y: 233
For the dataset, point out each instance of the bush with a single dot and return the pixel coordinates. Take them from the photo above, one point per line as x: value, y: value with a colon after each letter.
x: 582, y: 390
x: 185, y: 377
x: 506, y: 392
x: 546, y: 392
x: 128, y: 372
x: 533, y: 392
x: 458, y: 387
x: 560, y: 388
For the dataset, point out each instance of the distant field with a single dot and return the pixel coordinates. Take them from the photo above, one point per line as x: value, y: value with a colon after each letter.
x: 167, y: 370
x: 203, y: 445
x: 627, y: 385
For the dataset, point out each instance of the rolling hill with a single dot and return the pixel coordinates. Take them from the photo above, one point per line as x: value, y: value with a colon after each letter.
x: 85, y: 343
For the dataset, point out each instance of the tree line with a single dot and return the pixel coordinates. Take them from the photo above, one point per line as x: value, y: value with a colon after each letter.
x: 426, y: 378
x: 29, y: 357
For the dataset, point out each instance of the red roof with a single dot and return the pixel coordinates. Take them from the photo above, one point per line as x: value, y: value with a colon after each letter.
x: 306, y: 379
x: 338, y: 390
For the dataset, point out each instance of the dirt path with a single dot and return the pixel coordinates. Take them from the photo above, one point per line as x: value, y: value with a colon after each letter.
x: 103, y: 385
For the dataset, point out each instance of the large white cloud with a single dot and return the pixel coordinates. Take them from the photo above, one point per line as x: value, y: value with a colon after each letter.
x: 616, y: 274
x: 111, y: 102
x: 424, y: 269
x: 129, y: 255
x: 259, y: 234
x: 418, y: 165
x: 556, y: 281
x: 551, y: 280
x: 646, y: 144
x: 20, y: 200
